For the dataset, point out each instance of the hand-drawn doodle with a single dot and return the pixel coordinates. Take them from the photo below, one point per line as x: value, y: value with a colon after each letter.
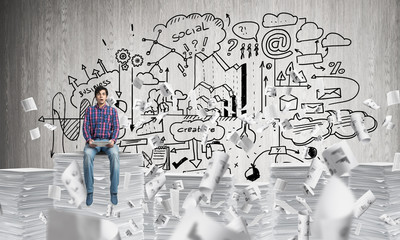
x: 309, y: 31
x: 276, y: 44
x: 280, y: 20
x: 246, y: 30
x: 226, y: 85
x: 335, y: 40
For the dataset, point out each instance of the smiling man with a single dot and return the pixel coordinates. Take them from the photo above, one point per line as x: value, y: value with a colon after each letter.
x: 101, y: 124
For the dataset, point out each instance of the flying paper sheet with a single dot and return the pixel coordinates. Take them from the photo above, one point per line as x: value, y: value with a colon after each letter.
x: 67, y: 226
x: 334, y: 212
x: 197, y: 226
x: 393, y: 97
x: 28, y: 104
x: 35, y: 133
x: 73, y: 181
x: 339, y: 158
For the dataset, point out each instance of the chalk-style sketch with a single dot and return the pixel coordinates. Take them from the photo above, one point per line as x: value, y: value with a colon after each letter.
x: 220, y: 82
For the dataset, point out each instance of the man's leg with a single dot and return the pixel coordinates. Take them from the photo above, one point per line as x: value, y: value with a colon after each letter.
x: 113, y: 156
x: 88, y: 157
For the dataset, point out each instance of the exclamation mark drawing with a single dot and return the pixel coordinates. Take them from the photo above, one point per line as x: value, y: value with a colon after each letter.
x: 182, y: 69
x: 204, y: 43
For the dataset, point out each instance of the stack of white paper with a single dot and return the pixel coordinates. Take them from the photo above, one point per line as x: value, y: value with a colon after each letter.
x: 24, y: 202
x: 259, y: 216
x: 385, y: 186
x: 285, y: 216
x: 128, y: 214
x: 215, y: 210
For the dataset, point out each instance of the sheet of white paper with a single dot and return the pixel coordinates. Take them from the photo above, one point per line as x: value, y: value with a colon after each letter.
x: 252, y: 193
x: 334, y: 211
x: 314, y: 173
x: 393, y: 97
x: 54, y: 192
x: 50, y: 127
x: 178, y: 184
x: 215, y: 170
x: 67, y: 226
x: 387, y: 219
x: 28, y: 104
x: 73, y: 181
x: 111, y: 101
x: 154, y: 185
x: 288, y: 209
x: 303, y: 202
x: 256, y: 219
x: 303, y: 226
x: 363, y: 203
x: 154, y: 141
x: 166, y: 89
x: 270, y: 91
x: 196, y: 225
x: 233, y: 137
x: 245, y: 143
x: 358, y: 229
x: 43, y: 217
x: 137, y: 83
x: 35, y: 133
x: 133, y: 225
x: 280, y: 185
x: 162, y: 220
x: 357, y: 123
x: 174, y: 195
x: 238, y: 224
x: 246, y: 207
x: 339, y: 158
x: 371, y: 104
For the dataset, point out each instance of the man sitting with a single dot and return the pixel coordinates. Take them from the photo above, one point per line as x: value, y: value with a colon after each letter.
x: 101, y: 123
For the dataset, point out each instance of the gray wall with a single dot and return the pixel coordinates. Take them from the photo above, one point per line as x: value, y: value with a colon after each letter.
x: 44, y: 42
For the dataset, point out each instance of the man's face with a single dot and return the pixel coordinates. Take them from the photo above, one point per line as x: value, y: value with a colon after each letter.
x: 101, y: 97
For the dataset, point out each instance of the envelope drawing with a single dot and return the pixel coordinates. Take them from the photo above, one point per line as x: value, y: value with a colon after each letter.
x: 289, y: 101
x: 313, y: 108
x: 329, y: 93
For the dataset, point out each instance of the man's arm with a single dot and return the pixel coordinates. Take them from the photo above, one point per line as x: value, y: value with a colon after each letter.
x: 86, y: 126
x: 114, y: 126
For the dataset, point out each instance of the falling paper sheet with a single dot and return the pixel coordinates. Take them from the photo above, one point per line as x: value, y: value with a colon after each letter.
x: 303, y: 226
x: 197, y: 226
x: 154, y: 141
x: 67, y: 226
x: 280, y: 185
x: 35, y: 133
x: 371, y: 104
x: 166, y: 89
x: 339, y: 158
x: 334, y: 212
x: 393, y: 97
x: 153, y: 186
x: 215, y: 170
x: 28, y: 104
x: 50, y: 127
x: 137, y: 83
x: 363, y: 203
x: 73, y: 181
x: 357, y: 123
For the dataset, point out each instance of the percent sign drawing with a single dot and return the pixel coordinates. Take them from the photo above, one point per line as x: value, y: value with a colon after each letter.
x: 336, y: 68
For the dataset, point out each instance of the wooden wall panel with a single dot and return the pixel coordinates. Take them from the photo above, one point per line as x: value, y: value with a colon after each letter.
x: 45, y: 43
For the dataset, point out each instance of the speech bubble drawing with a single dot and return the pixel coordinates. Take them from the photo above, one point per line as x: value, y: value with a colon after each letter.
x: 190, y: 130
x: 191, y: 33
x: 246, y: 30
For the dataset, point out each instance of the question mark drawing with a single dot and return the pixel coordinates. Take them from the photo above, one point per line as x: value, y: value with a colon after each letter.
x: 195, y: 42
x: 234, y: 43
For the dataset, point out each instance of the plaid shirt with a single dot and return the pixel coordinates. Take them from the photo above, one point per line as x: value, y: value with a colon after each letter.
x: 101, y: 123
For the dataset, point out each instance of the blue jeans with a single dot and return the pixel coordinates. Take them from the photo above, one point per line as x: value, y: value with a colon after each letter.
x: 88, y: 158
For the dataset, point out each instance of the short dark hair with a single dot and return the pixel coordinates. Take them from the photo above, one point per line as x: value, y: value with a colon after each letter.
x: 98, y: 89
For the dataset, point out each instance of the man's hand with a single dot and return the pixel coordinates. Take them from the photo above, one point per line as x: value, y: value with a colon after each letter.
x: 91, y: 144
x: 110, y: 144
